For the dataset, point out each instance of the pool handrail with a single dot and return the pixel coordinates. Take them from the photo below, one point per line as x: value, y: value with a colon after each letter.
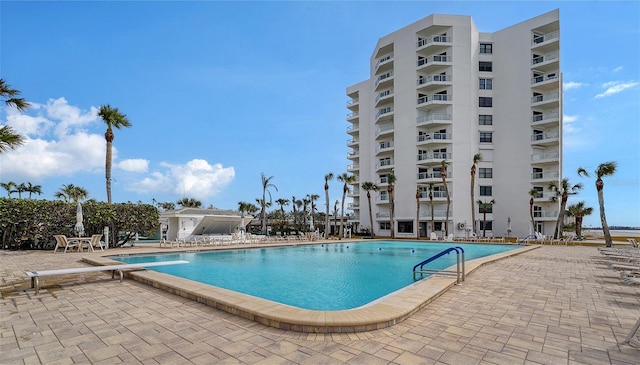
x: 459, y: 264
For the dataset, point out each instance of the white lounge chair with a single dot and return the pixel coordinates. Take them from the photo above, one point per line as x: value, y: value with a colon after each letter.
x: 61, y: 241
x: 433, y: 236
x: 95, y: 241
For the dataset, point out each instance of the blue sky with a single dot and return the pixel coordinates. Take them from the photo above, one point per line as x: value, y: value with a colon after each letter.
x: 220, y: 92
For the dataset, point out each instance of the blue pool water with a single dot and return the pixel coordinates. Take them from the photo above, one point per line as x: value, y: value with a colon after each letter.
x: 319, y: 277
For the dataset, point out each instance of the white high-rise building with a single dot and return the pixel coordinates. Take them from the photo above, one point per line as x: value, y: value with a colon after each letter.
x: 441, y: 91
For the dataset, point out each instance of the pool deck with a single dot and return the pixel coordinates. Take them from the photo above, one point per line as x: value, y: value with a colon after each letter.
x: 551, y: 305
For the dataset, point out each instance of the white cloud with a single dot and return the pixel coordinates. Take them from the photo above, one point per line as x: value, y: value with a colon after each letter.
x: 572, y: 85
x: 617, y: 69
x: 134, y: 165
x: 615, y: 87
x: 196, y: 179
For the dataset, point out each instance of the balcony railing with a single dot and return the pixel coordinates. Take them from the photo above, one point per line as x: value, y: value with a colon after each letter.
x: 384, y: 77
x: 546, y: 195
x: 384, y: 163
x: 434, y: 156
x: 546, y: 214
x: 352, y: 115
x: 433, y: 39
x: 353, y: 167
x: 352, y: 141
x: 434, y: 136
x: 433, y: 117
x: 384, y: 111
x: 384, y: 129
x: 546, y: 77
x: 545, y: 175
x: 384, y: 94
x: 546, y: 58
x: 383, y: 214
x: 436, y: 194
x: 434, y: 97
x: 432, y: 59
x: 537, y: 39
x: 384, y: 59
x: 545, y: 156
x: 545, y: 97
x: 353, y: 101
x: 384, y: 146
x: 543, y: 117
x: 351, y: 155
x: 433, y: 78
x: 545, y: 136
x: 436, y: 214
x: 432, y: 175
x: 353, y: 128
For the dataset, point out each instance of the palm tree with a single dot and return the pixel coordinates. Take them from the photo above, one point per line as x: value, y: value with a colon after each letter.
x: 418, y: 213
x: 390, y: 189
x: 189, y: 203
x: 295, y: 203
x: 431, y: 204
x: 245, y: 207
x: 266, y: 184
x: 9, y: 94
x: 33, y: 189
x: 312, y: 199
x: 533, y: 193
x: 368, y: 186
x: 484, y: 206
x: 20, y: 188
x: 579, y: 210
x: 113, y: 119
x: 603, y: 170
x: 476, y: 158
x: 443, y: 174
x: 282, y: 202
x: 328, y: 177
x: 9, y: 139
x: 9, y: 186
x: 347, y: 179
x: 167, y: 205
x: 562, y: 190
x: 72, y: 193
x: 335, y: 212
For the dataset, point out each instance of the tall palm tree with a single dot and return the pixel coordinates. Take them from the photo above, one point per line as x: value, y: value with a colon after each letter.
x: 33, y: 189
x: 312, y: 199
x: 328, y: 177
x: 443, y: 174
x: 245, y: 207
x: 390, y: 190
x: 433, y: 218
x: 476, y: 158
x: 10, y: 97
x: 189, y: 203
x: 266, y: 184
x: 368, y: 186
x: 579, y: 210
x: 533, y: 193
x: 71, y: 193
x: 9, y: 187
x: 20, y: 188
x: 484, y: 206
x: 113, y: 119
x: 418, y: 213
x: 562, y: 190
x: 347, y: 179
x: 604, y: 169
x: 282, y: 202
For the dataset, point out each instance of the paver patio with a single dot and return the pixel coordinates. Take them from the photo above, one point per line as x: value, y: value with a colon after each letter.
x: 553, y: 305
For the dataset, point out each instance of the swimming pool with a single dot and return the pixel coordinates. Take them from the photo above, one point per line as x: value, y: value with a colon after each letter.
x: 316, y: 277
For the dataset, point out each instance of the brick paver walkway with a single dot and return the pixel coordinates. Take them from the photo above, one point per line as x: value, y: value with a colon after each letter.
x: 554, y: 305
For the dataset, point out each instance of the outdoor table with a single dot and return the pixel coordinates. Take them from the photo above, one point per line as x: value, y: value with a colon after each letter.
x: 82, y: 241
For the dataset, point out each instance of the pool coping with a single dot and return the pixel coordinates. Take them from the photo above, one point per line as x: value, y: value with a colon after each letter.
x: 384, y: 312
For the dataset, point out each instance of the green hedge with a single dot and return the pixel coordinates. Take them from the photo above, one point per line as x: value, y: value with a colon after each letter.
x: 31, y: 224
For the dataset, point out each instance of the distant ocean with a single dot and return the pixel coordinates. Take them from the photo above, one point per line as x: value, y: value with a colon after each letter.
x: 614, y: 232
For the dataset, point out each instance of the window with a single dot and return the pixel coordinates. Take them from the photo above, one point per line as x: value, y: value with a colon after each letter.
x: 486, y: 66
x: 486, y: 84
x: 485, y: 173
x: 488, y: 225
x: 485, y: 119
x: 486, y: 191
x: 385, y: 226
x: 485, y: 102
x: 481, y: 208
x: 486, y: 48
x: 405, y: 227
x: 486, y: 137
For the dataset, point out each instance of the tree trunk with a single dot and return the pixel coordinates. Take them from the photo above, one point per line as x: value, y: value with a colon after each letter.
x: 603, y: 218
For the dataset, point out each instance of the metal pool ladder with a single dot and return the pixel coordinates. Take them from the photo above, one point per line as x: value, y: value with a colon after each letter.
x: 459, y: 273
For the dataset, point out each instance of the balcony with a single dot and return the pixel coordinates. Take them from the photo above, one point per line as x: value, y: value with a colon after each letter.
x: 546, y: 62
x: 383, y: 214
x: 384, y: 130
x: 545, y: 215
x: 546, y: 118
x: 433, y: 62
x: 353, y: 155
x: 384, y: 113
x: 384, y: 147
x: 353, y: 129
x: 434, y: 100
x: 434, y: 119
x: 434, y: 41
x: 353, y: 103
x: 384, y: 164
x: 435, y: 157
x: 353, y: 206
x: 432, y: 177
x: 545, y: 139
x: 384, y: 81
x: 545, y: 42
x: 545, y: 99
x: 549, y: 157
x: 385, y: 63
x: 353, y: 167
x: 432, y: 81
x: 545, y: 176
x: 546, y: 196
x: 434, y: 138
x: 438, y: 214
x: 386, y: 95
x: 352, y: 142
x: 352, y: 115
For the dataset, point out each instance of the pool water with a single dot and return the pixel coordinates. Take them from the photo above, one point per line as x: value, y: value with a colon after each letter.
x: 317, y: 277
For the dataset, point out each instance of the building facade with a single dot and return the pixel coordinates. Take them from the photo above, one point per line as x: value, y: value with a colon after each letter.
x: 440, y: 93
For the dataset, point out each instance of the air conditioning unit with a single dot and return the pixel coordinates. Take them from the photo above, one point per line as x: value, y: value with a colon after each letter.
x: 461, y: 225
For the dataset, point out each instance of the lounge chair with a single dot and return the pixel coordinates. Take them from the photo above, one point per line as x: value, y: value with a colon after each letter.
x: 433, y: 236
x: 95, y: 241
x: 61, y: 241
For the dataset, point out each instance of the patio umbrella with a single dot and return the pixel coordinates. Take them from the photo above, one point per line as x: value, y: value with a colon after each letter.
x: 79, y: 228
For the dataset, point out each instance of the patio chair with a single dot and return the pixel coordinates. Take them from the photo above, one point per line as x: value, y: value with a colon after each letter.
x: 61, y: 241
x: 95, y: 241
x: 433, y: 236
